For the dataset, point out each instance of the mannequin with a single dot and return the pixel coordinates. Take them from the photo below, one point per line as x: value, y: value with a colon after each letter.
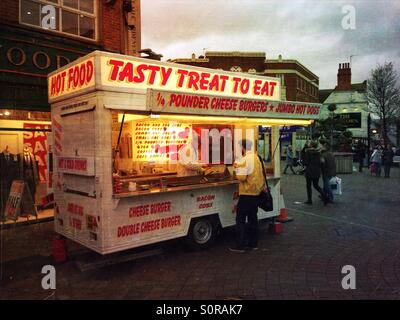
x: 29, y: 170
x: 8, y: 172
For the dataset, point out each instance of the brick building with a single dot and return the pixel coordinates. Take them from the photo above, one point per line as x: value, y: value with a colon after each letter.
x: 39, y: 36
x: 298, y: 82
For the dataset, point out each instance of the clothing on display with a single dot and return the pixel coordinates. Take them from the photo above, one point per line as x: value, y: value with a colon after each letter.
x: 9, y: 171
x: 29, y: 170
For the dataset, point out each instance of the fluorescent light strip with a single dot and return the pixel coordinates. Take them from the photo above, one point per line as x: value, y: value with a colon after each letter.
x: 211, y: 119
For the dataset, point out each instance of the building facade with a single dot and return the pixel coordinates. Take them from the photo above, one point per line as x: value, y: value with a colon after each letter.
x: 38, y: 37
x: 351, y: 102
x: 298, y: 82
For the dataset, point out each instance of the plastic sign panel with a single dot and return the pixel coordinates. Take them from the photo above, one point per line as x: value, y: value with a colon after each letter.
x: 75, y: 165
x: 137, y: 73
x: 73, y: 79
x: 175, y: 102
x: 119, y: 73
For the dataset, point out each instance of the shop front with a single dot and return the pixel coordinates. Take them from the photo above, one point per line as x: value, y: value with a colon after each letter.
x: 26, y: 57
x: 144, y: 151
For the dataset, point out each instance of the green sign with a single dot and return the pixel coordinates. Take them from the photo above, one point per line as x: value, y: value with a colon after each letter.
x: 26, y: 57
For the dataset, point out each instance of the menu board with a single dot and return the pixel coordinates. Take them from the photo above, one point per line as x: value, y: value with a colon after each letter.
x: 19, y: 201
x: 159, y: 140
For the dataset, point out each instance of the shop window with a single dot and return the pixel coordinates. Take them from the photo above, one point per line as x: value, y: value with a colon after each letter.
x: 30, y: 12
x: 70, y: 22
x: 73, y: 17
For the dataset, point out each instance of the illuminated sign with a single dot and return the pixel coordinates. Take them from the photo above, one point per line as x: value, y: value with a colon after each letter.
x: 174, y: 102
x: 113, y: 72
x: 72, y: 79
x: 350, y: 120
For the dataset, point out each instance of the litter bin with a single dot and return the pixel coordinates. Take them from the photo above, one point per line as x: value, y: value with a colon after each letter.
x: 344, y: 162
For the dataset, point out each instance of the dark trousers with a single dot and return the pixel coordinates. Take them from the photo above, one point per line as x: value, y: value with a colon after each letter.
x: 386, y: 168
x: 360, y: 165
x: 247, y: 208
x: 327, y: 187
x: 291, y: 168
x: 314, y: 182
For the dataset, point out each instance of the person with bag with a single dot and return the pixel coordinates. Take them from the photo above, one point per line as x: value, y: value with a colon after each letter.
x: 289, y: 159
x: 376, y: 161
x: 328, y: 169
x: 312, y: 160
x: 387, y: 160
x: 251, y: 183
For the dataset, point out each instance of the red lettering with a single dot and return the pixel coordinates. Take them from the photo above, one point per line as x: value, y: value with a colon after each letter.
x: 139, y: 78
x: 153, y: 72
x: 82, y: 74
x: 224, y: 79
x: 272, y: 85
x: 204, y: 81
x: 193, y: 80
x: 126, y: 73
x: 115, y: 68
x: 236, y: 84
x: 257, y: 87
x: 165, y: 74
x: 181, y: 77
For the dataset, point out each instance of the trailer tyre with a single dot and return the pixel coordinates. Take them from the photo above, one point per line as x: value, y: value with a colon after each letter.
x: 202, y: 233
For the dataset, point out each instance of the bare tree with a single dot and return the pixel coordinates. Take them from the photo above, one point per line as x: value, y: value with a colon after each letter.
x: 383, y: 96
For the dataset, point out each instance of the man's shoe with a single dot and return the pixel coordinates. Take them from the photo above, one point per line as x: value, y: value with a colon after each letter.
x: 237, y: 249
x: 250, y: 248
x: 308, y: 202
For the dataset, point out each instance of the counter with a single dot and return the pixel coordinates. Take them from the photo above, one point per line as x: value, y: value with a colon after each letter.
x: 183, y: 188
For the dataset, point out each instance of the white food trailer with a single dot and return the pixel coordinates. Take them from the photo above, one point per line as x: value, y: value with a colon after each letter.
x: 119, y: 124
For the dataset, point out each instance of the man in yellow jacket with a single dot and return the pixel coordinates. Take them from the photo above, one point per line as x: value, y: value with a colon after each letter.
x: 249, y: 173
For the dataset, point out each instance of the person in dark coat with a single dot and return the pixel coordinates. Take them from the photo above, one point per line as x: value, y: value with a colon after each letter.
x: 8, y: 173
x: 289, y: 159
x: 328, y: 168
x: 360, y: 154
x: 312, y: 161
x: 387, y: 160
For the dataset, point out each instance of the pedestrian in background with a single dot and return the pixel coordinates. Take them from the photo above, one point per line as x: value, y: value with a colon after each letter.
x: 312, y: 161
x: 387, y: 160
x: 251, y: 182
x: 376, y: 160
x: 360, y: 154
x: 328, y: 168
x: 289, y: 159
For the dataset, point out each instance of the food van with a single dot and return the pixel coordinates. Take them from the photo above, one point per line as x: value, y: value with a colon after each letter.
x: 119, y: 126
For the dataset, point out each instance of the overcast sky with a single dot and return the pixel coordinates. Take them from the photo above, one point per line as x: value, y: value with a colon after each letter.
x: 309, y: 31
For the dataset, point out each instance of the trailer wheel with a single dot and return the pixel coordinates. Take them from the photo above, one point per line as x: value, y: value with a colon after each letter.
x: 202, y: 233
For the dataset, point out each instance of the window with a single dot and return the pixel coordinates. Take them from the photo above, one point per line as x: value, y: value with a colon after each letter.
x: 73, y: 17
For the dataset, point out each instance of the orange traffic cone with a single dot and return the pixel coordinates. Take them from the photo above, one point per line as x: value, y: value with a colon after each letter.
x: 283, y: 215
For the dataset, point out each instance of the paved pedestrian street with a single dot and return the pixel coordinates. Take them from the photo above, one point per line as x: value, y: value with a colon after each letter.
x: 361, y: 229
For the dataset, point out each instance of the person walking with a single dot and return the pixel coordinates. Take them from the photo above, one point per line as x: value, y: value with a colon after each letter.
x: 251, y: 183
x: 289, y: 159
x: 387, y: 160
x: 360, y: 154
x: 376, y: 160
x: 312, y: 161
x: 328, y: 168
